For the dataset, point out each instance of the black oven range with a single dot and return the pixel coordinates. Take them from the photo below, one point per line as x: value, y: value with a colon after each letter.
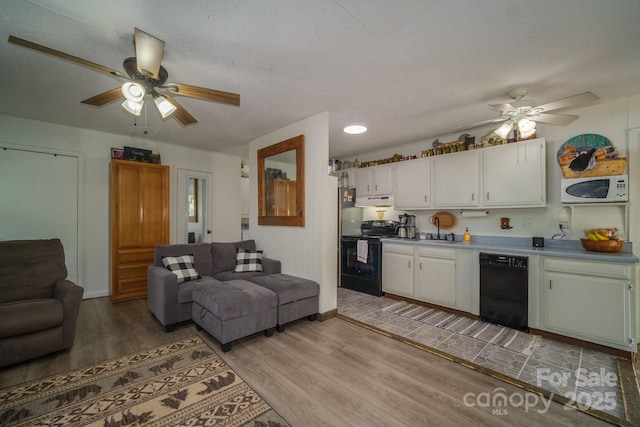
x: 361, y: 257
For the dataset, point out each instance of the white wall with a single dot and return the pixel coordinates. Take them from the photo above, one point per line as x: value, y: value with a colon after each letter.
x: 310, y: 251
x: 95, y: 147
x: 611, y: 120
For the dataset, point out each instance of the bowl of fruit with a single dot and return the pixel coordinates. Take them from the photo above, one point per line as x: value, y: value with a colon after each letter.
x: 602, y: 240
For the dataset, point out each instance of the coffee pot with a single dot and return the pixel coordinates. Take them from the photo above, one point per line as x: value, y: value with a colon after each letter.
x: 407, y: 227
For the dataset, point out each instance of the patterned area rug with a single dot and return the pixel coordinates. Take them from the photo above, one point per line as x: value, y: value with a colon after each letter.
x: 183, y: 383
x: 511, y: 339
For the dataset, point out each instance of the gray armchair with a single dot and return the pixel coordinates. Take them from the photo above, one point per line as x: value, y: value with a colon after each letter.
x: 38, y: 305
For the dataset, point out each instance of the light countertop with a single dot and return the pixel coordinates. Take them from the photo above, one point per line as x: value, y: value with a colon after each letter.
x: 523, y: 246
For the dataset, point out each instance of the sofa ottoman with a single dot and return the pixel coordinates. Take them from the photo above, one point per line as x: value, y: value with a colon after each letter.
x: 297, y: 297
x: 234, y: 309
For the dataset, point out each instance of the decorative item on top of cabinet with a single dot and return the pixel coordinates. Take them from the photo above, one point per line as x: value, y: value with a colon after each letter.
x: 139, y: 220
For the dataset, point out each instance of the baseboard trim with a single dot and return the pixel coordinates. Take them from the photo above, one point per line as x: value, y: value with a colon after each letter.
x: 581, y: 343
x: 327, y: 315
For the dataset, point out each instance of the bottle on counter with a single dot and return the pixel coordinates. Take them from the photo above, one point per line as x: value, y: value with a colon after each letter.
x: 467, y: 236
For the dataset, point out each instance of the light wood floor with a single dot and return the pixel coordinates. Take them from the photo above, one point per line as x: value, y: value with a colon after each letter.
x: 329, y: 373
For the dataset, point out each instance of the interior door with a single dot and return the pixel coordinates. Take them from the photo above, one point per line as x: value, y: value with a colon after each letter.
x: 199, y: 224
x: 39, y: 195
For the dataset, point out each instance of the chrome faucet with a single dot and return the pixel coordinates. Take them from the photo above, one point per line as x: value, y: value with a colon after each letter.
x: 436, y: 221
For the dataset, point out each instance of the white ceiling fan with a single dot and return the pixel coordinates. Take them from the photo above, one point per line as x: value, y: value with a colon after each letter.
x: 144, y: 76
x: 525, y: 113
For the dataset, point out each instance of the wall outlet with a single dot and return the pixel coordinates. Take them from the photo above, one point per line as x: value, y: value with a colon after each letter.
x: 527, y: 223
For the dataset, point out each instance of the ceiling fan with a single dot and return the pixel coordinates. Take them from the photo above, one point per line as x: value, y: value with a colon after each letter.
x: 145, y: 76
x: 525, y: 113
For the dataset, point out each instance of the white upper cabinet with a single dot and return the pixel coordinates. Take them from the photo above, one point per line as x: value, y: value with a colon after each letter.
x: 455, y: 179
x: 374, y: 180
x: 506, y: 176
x: 412, y: 184
x: 514, y: 174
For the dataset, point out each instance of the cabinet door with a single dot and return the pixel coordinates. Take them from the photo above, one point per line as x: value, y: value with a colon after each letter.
x: 587, y: 307
x: 363, y: 182
x: 382, y: 179
x: 412, y: 184
x: 435, y: 279
x: 455, y: 179
x: 397, y: 271
x: 514, y: 174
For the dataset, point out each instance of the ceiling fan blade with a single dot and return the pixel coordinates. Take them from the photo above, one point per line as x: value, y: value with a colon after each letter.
x: 555, y: 119
x: 104, y: 97
x: 478, y: 124
x: 503, y: 107
x: 62, y: 55
x: 149, y: 51
x: 204, y: 93
x: 180, y: 114
x: 583, y: 98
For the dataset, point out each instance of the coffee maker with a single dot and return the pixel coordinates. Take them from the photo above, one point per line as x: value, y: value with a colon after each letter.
x: 407, y: 226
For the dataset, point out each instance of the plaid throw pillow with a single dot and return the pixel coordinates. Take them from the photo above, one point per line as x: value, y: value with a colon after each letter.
x: 181, y: 266
x: 247, y: 260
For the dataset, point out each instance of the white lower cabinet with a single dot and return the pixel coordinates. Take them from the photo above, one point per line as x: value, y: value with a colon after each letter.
x: 435, y: 275
x: 397, y: 269
x: 588, y: 300
x: 424, y: 273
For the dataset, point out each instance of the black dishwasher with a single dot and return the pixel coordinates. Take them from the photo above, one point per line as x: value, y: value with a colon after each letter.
x: 504, y: 290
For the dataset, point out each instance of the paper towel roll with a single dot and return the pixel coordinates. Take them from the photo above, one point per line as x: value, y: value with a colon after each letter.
x: 473, y: 214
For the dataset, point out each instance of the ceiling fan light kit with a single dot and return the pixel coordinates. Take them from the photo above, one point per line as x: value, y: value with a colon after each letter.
x: 133, y: 107
x: 504, y: 130
x: 164, y: 106
x: 133, y: 91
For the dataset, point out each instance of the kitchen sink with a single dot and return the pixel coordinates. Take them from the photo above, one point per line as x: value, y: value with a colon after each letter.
x: 443, y: 241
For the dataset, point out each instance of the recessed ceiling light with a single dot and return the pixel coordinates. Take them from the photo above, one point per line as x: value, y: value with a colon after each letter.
x: 355, y: 129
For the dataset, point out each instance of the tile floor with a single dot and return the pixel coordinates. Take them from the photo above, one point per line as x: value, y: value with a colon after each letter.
x: 589, y: 376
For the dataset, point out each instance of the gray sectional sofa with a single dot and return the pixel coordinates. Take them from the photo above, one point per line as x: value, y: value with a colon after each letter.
x: 228, y: 304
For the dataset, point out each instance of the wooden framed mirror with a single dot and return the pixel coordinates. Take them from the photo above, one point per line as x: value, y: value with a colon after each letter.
x: 281, y: 195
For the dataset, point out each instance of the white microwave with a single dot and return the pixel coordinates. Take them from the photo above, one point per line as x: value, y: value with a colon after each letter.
x: 597, y: 189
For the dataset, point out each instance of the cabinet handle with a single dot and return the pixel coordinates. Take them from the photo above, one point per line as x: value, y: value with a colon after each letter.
x: 409, y: 264
x: 376, y: 187
x: 473, y: 196
x: 420, y: 266
x: 425, y: 199
x: 549, y: 284
x: 368, y: 189
x: 487, y: 195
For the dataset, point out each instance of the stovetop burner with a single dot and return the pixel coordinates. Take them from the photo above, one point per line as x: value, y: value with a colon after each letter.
x: 375, y: 230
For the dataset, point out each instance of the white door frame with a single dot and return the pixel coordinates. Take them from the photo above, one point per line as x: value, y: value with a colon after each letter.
x: 182, y: 203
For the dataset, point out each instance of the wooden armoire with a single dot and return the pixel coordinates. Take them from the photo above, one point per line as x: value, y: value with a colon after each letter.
x: 139, y: 217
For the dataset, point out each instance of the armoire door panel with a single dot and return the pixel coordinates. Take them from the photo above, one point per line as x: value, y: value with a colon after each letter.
x: 155, y: 201
x: 129, y: 203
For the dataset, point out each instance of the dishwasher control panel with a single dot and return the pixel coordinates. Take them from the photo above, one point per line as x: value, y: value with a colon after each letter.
x: 505, y: 261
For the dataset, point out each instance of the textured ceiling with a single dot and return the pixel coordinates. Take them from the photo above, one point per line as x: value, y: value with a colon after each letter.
x: 409, y: 70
